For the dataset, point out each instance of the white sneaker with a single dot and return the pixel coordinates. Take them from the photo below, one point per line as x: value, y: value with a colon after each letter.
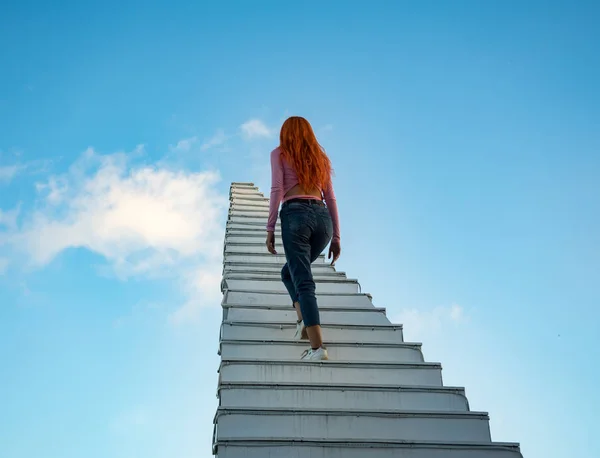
x: 300, y: 331
x: 319, y: 354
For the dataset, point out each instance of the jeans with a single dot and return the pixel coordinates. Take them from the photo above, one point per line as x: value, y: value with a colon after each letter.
x: 306, y: 229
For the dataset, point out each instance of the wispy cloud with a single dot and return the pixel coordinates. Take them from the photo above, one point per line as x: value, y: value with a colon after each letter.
x: 218, y: 139
x: 7, y: 173
x: 184, y: 145
x: 56, y: 188
x: 8, y: 218
x: 255, y: 128
x: 35, y: 167
x: 144, y: 220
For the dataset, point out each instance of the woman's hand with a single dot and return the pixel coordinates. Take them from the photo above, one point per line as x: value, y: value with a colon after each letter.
x: 335, y: 249
x: 271, y: 242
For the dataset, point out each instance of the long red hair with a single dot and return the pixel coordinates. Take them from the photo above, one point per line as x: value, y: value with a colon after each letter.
x: 301, y: 149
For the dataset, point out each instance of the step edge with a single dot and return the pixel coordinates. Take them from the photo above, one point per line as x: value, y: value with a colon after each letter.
x: 296, y: 362
x: 374, y: 442
x: 356, y: 412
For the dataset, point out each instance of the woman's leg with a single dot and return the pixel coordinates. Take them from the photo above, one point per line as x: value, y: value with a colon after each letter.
x: 297, y: 223
x: 319, y: 239
x: 286, y: 278
x: 298, y: 311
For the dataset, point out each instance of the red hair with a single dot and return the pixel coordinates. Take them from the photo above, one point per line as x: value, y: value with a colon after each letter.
x: 301, y: 149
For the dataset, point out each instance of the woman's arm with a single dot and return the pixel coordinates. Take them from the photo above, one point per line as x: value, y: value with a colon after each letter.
x: 276, y: 188
x: 329, y: 195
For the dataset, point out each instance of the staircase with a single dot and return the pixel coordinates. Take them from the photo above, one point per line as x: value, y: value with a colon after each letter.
x: 376, y: 397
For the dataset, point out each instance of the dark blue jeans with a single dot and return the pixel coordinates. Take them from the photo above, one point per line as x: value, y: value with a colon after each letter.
x: 306, y: 229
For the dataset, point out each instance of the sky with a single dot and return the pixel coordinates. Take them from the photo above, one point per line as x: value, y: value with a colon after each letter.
x: 465, y: 142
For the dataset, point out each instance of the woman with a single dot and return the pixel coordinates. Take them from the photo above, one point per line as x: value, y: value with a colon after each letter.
x: 301, y: 178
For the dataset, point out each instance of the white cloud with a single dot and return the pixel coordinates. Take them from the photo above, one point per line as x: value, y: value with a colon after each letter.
x: 3, y: 265
x: 8, y: 219
x: 184, y: 145
x: 216, y: 140
x: 145, y: 221
x: 204, y: 286
x: 255, y: 128
x: 8, y: 172
x: 57, y: 188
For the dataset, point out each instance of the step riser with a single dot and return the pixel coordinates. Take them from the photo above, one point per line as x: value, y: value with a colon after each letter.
x: 338, y: 427
x: 258, y: 213
x: 252, y: 249
x: 251, y: 298
x: 343, y: 399
x: 245, y: 194
x: 254, y: 220
x: 252, y: 239
x: 329, y: 334
x: 300, y: 373
x: 267, y: 258
x: 336, y: 352
x: 275, y: 275
x: 289, y: 316
x: 252, y: 201
x: 248, y: 210
x: 253, y: 229
x: 279, y: 287
x: 237, y: 192
x: 339, y: 451
x: 317, y: 269
x: 256, y: 242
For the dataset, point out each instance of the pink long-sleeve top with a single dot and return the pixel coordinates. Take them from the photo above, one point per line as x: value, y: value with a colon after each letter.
x: 284, y: 178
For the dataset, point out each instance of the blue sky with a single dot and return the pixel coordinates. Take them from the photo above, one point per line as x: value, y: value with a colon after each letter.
x: 466, y: 146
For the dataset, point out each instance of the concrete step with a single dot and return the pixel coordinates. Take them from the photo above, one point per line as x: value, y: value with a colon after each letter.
x: 338, y: 350
x: 254, y: 220
x: 317, y: 269
x: 244, y: 196
x: 343, y: 424
x: 250, y: 201
x: 253, y: 213
x: 254, y: 241
x: 315, y: 396
x: 287, y: 314
x: 357, y: 448
x: 245, y: 330
x: 265, y: 298
x: 247, y: 208
x: 252, y: 231
x: 252, y: 226
x: 275, y: 274
x: 257, y: 205
x: 257, y: 247
x: 264, y: 258
x: 245, y: 191
x: 249, y: 239
x: 330, y: 372
x: 276, y: 285
x: 251, y: 248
